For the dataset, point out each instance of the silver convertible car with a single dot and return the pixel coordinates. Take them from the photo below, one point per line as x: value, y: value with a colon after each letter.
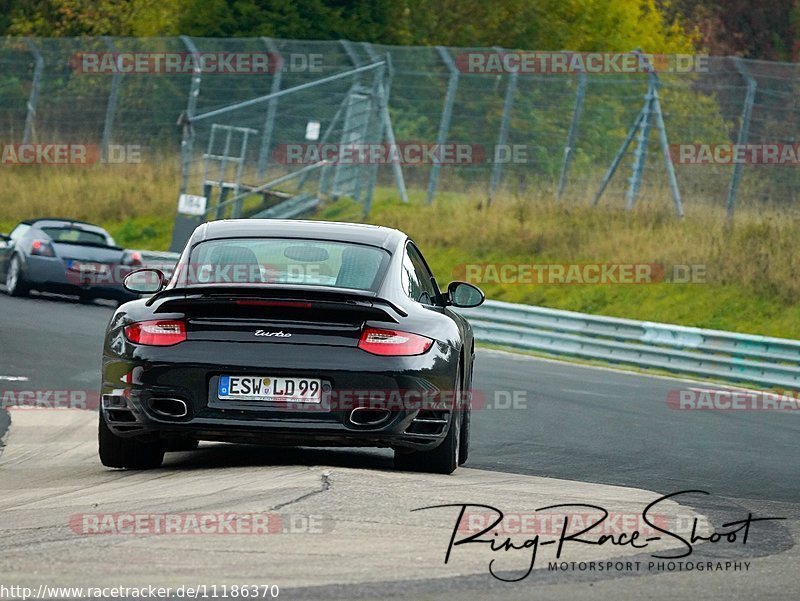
x: 65, y: 257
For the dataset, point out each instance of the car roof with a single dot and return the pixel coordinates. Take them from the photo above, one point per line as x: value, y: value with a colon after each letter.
x: 359, y: 233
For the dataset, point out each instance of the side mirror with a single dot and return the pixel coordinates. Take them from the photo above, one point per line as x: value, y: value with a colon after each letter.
x: 464, y: 295
x: 144, y: 281
x: 5, y: 237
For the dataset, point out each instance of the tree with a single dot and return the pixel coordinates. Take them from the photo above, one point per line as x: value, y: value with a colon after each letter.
x: 524, y: 24
x: 762, y: 29
x: 64, y: 18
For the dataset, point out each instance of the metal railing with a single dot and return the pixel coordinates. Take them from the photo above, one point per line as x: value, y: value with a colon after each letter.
x: 720, y: 355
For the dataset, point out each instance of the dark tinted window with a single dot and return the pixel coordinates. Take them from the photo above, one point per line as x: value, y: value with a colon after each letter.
x: 72, y: 234
x: 286, y: 261
x: 417, y: 279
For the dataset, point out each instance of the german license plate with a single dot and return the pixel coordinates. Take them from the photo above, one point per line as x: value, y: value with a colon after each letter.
x: 269, y: 389
x: 87, y: 268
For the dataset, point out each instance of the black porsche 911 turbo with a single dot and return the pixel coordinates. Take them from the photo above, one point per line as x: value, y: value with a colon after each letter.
x: 300, y: 333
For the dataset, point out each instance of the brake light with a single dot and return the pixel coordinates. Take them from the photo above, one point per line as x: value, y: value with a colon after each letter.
x: 160, y: 332
x: 393, y: 342
x: 42, y: 248
x: 269, y: 303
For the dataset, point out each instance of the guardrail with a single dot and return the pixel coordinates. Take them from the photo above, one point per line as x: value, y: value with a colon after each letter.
x: 727, y: 356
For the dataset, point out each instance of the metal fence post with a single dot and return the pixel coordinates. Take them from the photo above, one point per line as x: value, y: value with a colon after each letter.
x: 373, y: 56
x: 376, y: 130
x: 187, y: 142
x: 508, y: 105
x: 569, y: 149
x: 272, y: 107
x: 356, y: 62
x: 185, y: 224
x: 662, y: 138
x: 33, y: 99
x: 640, y: 154
x: 111, y: 105
x: 383, y: 97
x: 447, y: 114
x: 617, y: 159
x: 744, y: 132
x: 351, y: 53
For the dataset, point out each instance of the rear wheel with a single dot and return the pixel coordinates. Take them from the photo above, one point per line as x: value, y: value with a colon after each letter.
x: 130, y: 453
x: 443, y: 459
x: 15, y: 280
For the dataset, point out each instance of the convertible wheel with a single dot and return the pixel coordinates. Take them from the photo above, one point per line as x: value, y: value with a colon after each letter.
x: 444, y: 459
x: 15, y: 280
x: 127, y: 452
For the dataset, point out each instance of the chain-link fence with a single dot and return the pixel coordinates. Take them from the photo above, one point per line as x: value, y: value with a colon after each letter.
x: 272, y: 106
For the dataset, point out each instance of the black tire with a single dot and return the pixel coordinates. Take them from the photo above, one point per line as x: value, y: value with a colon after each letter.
x: 85, y: 298
x: 443, y: 459
x: 15, y: 279
x: 127, y: 453
x: 178, y: 445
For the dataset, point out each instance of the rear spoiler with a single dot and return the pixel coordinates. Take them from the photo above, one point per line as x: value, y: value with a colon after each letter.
x: 276, y: 293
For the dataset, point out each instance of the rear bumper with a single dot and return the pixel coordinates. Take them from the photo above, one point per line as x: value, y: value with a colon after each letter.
x: 414, y: 395
x: 51, y: 275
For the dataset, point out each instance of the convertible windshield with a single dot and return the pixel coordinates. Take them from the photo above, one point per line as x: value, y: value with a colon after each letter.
x: 286, y: 261
x: 76, y: 235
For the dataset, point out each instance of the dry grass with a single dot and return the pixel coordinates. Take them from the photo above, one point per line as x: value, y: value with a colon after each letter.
x: 758, y: 253
x: 102, y: 193
x: 135, y: 202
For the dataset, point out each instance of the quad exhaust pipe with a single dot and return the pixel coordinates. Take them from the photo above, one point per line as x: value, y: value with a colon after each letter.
x: 167, y: 407
x: 365, y: 416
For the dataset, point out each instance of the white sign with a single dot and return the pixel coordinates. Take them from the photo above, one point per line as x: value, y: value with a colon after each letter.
x: 189, y: 204
x: 312, y: 130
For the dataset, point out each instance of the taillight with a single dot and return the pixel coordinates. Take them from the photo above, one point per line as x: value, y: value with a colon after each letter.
x: 132, y: 258
x: 160, y: 332
x: 393, y: 342
x: 42, y: 248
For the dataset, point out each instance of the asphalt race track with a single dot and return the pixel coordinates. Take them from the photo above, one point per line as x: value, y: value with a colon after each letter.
x: 577, y: 434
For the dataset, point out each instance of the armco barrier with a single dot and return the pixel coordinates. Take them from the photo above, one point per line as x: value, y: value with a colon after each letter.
x: 727, y: 356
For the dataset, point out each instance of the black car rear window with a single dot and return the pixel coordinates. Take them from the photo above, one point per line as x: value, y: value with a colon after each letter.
x: 286, y: 261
